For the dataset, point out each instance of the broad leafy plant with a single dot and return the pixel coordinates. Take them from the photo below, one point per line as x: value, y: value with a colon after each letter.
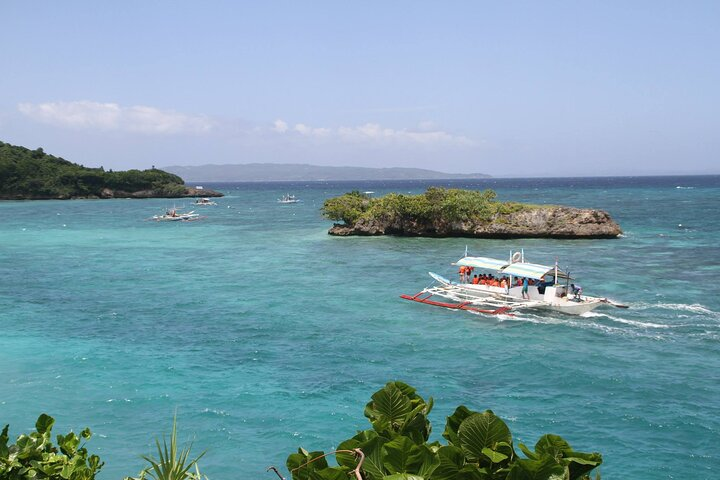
x: 479, y: 447
x: 34, y: 456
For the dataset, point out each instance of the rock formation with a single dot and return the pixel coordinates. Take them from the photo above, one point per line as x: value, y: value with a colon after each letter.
x: 189, y: 192
x: 535, y: 222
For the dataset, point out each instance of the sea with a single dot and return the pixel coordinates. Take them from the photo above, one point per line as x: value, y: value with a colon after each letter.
x: 264, y: 334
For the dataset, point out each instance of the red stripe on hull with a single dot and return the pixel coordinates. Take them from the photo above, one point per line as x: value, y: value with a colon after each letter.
x: 455, y: 306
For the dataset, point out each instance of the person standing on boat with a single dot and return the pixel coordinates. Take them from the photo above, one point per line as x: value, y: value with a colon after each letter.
x: 525, y: 293
x: 542, y: 283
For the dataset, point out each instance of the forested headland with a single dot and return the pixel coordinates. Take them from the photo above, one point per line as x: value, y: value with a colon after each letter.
x: 34, y: 175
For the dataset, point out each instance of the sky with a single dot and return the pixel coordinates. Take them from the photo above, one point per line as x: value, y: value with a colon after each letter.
x: 512, y: 88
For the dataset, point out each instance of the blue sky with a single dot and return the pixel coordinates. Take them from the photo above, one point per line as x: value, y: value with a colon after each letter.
x: 506, y: 88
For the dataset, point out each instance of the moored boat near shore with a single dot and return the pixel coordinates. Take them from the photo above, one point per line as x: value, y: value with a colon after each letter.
x: 502, y: 286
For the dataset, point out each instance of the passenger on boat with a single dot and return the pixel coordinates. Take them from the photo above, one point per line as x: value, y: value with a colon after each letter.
x: 525, y: 293
x: 576, y: 291
x: 476, y: 280
x: 541, y: 284
x: 461, y: 272
x: 468, y: 272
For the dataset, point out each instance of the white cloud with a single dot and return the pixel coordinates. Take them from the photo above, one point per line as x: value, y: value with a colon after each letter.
x: 427, y: 134
x: 427, y: 126
x: 312, y: 132
x: 88, y: 115
x: 280, y: 126
x: 111, y: 116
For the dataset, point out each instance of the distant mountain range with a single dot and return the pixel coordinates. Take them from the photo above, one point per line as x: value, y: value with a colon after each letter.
x: 279, y: 172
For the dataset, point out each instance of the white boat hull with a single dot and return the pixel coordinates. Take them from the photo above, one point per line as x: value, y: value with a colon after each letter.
x: 177, y: 217
x: 554, y: 298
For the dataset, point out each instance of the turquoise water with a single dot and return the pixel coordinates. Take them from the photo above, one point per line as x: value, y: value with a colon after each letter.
x: 266, y: 334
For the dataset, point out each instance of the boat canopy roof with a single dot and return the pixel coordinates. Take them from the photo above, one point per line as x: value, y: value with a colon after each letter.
x: 483, y: 263
x: 518, y: 269
x: 532, y: 270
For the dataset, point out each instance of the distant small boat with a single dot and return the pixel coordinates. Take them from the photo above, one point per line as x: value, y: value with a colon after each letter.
x: 204, y: 202
x: 172, y: 215
x: 288, y: 199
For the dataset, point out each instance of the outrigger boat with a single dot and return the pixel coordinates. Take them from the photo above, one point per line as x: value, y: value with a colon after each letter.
x: 548, y: 288
x: 288, y: 199
x: 204, y: 202
x: 172, y: 215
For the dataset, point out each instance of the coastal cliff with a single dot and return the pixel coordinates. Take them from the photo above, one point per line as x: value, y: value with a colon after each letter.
x: 459, y: 213
x: 34, y: 175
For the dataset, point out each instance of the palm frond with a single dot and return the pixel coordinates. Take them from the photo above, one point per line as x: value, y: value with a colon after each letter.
x: 171, y: 465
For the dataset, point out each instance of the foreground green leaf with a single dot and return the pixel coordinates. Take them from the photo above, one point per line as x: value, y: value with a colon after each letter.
x: 480, y: 447
x: 479, y: 431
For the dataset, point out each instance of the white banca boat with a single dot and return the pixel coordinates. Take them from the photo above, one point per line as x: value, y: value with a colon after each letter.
x: 172, y: 215
x: 493, y: 286
x: 204, y: 202
x: 288, y: 199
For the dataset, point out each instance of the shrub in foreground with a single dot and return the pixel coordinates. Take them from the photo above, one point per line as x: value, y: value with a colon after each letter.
x: 34, y: 456
x: 479, y: 447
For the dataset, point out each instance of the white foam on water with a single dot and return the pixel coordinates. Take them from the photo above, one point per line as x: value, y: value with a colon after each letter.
x: 614, y: 325
x: 638, y: 324
x: 694, y: 307
x: 629, y: 328
x: 220, y: 413
x: 634, y: 323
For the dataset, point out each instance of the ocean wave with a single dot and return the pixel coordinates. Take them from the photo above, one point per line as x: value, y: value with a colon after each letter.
x: 679, y: 187
x: 634, y: 323
x: 220, y: 413
x: 616, y: 326
x: 693, y: 307
x: 643, y: 324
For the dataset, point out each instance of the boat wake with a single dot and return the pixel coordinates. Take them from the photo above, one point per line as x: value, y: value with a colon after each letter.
x: 664, y: 323
x: 625, y: 321
x: 682, y: 307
